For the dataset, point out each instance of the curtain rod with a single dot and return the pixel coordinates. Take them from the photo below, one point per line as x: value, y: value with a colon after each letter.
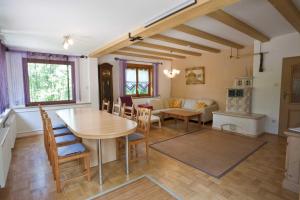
x: 116, y: 58
x: 45, y: 54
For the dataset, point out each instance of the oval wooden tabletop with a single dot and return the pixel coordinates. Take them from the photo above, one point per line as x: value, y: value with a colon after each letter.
x: 90, y: 123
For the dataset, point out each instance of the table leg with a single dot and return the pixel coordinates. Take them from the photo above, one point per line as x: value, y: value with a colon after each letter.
x: 127, y: 154
x: 186, y: 120
x: 162, y: 118
x: 99, y: 151
x: 199, y: 120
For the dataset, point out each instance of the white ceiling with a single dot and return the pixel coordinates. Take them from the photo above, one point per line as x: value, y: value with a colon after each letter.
x: 39, y: 25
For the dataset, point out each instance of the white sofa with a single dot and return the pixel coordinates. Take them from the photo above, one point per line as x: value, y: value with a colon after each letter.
x: 186, y: 104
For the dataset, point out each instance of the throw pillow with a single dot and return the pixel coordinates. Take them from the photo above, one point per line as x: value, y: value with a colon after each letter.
x: 200, y: 105
x: 176, y: 103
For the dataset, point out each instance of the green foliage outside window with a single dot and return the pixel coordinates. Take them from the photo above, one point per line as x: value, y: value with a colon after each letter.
x: 50, y: 82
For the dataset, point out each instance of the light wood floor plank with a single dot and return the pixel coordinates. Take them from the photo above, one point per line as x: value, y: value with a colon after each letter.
x: 258, y: 177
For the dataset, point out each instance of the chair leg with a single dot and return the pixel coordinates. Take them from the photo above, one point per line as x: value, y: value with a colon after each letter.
x: 118, y: 149
x: 136, y: 150
x: 159, y: 123
x: 87, y: 167
x: 57, y: 175
x: 131, y: 151
x: 147, y: 151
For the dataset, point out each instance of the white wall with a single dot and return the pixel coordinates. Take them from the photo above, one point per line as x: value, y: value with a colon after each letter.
x: 164, y: 83
x: 267, y: 84
x: 28, y: 118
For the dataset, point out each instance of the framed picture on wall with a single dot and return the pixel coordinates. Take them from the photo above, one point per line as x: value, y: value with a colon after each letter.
x: 195, y: 75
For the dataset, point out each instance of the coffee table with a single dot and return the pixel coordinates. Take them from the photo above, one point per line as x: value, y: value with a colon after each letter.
x: 181, y: 114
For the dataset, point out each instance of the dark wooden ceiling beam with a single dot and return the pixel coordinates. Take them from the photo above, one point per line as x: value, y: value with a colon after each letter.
x: 201, y: 8
x: 140, y: 55
x: 167, y: 48
x: 239, y: 25
x: 208, y: 36
x: 130, y: 49
x: 184, y: 43
x: 289, y: 11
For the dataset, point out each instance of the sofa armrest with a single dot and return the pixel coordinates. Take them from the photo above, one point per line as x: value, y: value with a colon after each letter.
x: 207, y: 112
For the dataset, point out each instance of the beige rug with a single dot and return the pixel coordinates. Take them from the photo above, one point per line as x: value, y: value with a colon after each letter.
x: 210, y: 151
x: 179, y: 126
x: 142, y: 188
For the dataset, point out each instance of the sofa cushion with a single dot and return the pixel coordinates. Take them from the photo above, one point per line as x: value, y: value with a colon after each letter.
x: 208, y: 102
x: 157, y: 104
x: 189, y: 104
x: 175, y: 103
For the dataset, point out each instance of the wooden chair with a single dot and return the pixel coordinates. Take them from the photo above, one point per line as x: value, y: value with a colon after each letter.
x: 63, y: 154
x: 141, y: 135
x: 116, y: 109
x: 62, y: 137
x: 105, y: 105
x: 57, y: 126
x: 127, y: 111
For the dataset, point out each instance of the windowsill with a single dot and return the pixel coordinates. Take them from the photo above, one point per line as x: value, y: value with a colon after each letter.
x: 145, y: 97
x: 23, y: 108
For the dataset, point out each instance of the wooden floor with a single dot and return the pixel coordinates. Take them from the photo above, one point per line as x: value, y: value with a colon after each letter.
x: 258, y: 177
x: 144, y: 187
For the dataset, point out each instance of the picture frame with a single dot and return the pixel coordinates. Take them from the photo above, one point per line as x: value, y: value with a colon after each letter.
x: 195, y: 75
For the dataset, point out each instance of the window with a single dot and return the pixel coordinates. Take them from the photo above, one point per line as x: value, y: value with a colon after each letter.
x: 48, y: 82
x: 138, y: 80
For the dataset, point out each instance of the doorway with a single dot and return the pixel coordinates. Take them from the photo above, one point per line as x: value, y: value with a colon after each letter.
x: 290, y: 94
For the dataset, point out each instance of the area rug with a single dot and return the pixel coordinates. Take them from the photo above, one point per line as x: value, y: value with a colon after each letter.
x: 142, y: 188
x: 179, y: 126
x: 210, y: 151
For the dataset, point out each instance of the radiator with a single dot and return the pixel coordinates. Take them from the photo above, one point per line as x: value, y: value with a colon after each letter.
x: 7, y: 141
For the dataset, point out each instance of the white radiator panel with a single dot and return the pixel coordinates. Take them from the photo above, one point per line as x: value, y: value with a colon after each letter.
x: 5, y: 155
x: 7, y: 142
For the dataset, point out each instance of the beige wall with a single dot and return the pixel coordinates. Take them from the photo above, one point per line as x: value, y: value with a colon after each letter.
x: 220, y: 72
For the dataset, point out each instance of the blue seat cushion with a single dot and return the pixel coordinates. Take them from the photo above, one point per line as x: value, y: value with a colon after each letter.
x: 136, y: 136
x: 65, y: 138
x: 71, y: 150
x: 62, y: 131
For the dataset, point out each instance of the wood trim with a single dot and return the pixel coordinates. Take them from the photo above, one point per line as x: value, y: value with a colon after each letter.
x: 135, y: 50
x: 25, y: 62
x: 289, y: 11
x: 184, y: 43
x: 239, y: 25
x: 201, y: 8
x: 202, y: 34
x: 140, y: 55
x: 166, y: 48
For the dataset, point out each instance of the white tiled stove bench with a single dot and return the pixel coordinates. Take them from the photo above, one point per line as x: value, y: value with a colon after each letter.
x: 248, y: 124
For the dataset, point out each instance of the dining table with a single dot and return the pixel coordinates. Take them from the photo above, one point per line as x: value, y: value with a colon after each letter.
x: 94, y: 124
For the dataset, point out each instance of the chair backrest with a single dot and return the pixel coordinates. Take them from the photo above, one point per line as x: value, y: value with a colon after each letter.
x: 116, y: 109
x: 49, y: 131
x: 105, y: 105
x: 44, y: 115
x: 127, y: 111
x: 127, y: 100
x: 143, y: 119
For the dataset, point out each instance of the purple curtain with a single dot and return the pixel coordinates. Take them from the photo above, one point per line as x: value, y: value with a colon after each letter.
x: 155, y: 79
x: 4, y: 99
x: 122, y: 70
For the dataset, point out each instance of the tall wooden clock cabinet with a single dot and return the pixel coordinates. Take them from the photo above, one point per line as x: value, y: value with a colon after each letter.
x: 105, y: 78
